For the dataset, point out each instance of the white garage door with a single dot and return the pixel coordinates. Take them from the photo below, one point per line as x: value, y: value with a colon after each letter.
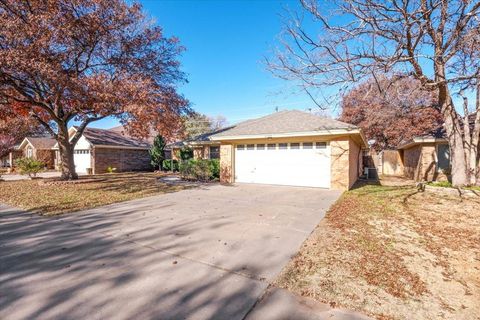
x: 81, y: 157
x: 294, y: 164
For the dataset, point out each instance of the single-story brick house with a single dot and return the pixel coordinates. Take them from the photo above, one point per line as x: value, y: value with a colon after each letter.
x: 287, y: 148
x: 426, y: 158
x: 39, y: 148
x: 98, y: 149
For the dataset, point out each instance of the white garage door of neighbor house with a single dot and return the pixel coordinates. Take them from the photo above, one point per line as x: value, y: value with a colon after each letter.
x: 295, y: 164
x: 81, y: 157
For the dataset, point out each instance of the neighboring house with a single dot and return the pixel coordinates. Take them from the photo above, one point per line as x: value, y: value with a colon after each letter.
x: 98, y: 149
x: 426, y: 158
x: 39, y: 148
x: 287, y: 148
x: 202, y: 146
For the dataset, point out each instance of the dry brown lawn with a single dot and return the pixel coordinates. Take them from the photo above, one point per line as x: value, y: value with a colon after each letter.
x: 98, y: 190
x: 393, y: 253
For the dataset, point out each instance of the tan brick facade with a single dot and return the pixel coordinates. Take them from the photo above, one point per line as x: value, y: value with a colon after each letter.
x: 345, y: 163
x: 226, y: 163
x: 121, y: 159
x: 420, y: 163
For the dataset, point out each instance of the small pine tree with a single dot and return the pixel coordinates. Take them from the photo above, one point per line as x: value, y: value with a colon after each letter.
x: 157, y: 152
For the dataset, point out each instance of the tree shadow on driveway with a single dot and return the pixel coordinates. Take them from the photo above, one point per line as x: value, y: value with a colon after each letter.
x: 50, y: 268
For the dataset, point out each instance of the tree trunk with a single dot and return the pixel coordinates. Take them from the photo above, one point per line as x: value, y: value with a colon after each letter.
x: 458, y: 162
x: 66, y: 155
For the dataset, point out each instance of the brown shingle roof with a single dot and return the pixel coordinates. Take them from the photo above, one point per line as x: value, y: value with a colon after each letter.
x: 290, y: 121
x: 41, y: 143
x: 113, y: 138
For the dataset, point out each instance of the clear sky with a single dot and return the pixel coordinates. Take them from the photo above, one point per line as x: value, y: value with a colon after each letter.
x: 226, y: 42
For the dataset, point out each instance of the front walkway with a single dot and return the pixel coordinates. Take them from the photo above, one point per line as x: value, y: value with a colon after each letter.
x: 205, y: 253
x: 15, y: 176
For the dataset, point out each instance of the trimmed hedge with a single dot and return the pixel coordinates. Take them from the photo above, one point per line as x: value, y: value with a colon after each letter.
x: 200, y: 169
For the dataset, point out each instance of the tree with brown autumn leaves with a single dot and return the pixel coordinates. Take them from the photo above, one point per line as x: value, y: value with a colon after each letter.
x: 84, y: 60
x: 14, y: 129
x: 436, y: 42
x: 391, y: 110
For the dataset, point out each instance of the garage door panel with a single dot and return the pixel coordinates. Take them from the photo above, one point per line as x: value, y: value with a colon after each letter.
x: 81, y: 158
x: 300, y: 167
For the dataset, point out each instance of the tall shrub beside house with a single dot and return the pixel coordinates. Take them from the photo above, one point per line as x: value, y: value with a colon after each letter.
x: 157, y: 152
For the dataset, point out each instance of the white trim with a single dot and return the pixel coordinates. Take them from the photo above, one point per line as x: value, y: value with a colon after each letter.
x: 21, y: 146
x: 418, y: 140
x: 288, y: 134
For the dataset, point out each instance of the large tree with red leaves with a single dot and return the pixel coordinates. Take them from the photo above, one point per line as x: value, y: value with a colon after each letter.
x: 391, y: 110
x: 84, y: 60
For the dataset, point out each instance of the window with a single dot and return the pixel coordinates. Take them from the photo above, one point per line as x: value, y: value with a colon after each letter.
x: 321, y: 145
x: 240, y: 147
x: 282, y: 146
x: 271, y: 146
x: 215, y: 152
x: 294, y: 145
x: 250, y: 146
x: 29, y: 152
x: 260, y: 146
x: 443, y: 157
x: 307, y: 145
x: 81, y: 151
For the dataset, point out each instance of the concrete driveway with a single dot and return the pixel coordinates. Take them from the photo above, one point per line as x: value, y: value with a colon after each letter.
x: 204, y: 253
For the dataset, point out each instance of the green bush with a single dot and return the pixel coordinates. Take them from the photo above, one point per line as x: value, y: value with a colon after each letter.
x: 167, y: 165
x: 186, y: 153
x: 29, y: 166
x: 202, y: 170
x: 215, y: 168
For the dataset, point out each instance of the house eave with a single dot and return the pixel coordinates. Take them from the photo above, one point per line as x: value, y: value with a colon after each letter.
x: 292, y: 134
x: 417, y: 141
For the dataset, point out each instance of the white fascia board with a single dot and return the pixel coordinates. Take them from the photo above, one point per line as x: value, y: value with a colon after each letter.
x: 417, y: 141
x: 201, y: 143
x: 23, y: 143
x: 288, y: 135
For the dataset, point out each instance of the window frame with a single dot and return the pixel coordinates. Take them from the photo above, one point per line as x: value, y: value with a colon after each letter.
x: 215, y: 153
x: 321, y: 145
x: 263, y: 146
x: 310, y: 147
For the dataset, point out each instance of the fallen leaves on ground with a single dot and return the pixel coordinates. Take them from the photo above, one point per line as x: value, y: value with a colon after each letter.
x: 394, y: 253
x: 52, y: 199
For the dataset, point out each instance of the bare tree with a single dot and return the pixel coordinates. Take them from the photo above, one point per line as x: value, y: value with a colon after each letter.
x: 434, y: 41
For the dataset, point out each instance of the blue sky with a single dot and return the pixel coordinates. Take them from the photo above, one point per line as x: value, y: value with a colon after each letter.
x: 226, y: 42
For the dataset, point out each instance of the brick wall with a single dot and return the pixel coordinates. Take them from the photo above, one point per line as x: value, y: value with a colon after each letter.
x: 122, y: 159
x: 420, y: 163
x: 354, y: 163
x: 340, y: 161
x: 47, y: 157
x: 226, y: 163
